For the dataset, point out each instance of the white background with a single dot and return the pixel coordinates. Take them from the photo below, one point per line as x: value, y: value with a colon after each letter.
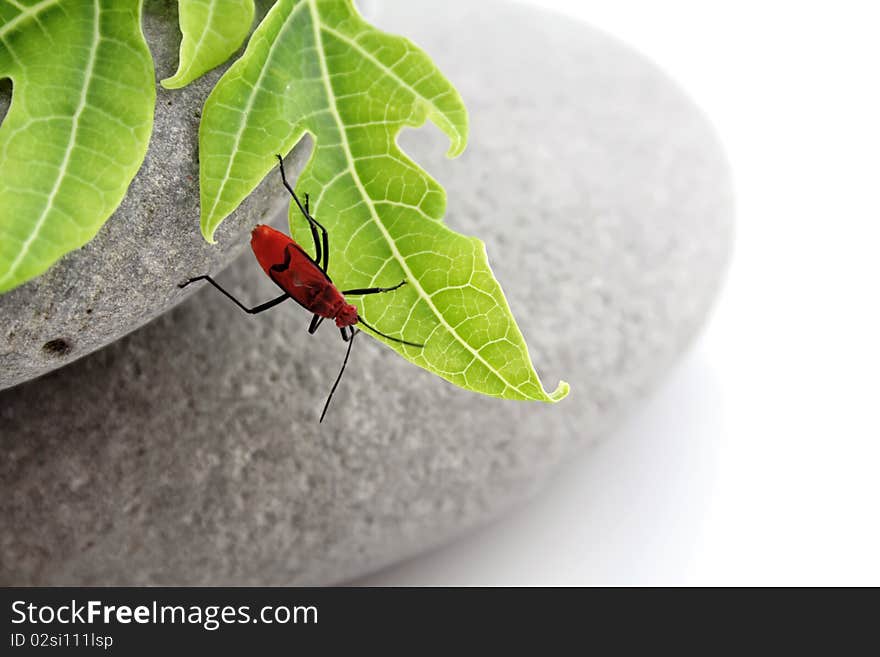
x: 770, y: 475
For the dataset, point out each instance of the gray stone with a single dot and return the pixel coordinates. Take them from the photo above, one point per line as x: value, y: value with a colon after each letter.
x: 129, y: 273
x: 190, y: 453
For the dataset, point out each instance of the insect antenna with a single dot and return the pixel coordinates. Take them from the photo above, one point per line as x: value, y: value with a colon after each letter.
x: 338, y: 378
x: 377, y: 332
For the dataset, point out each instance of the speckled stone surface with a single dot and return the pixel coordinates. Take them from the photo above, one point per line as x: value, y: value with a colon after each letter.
x: 189, y: 452
x: 128, y: 274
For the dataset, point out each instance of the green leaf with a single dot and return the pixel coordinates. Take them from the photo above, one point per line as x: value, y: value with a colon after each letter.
x: 315, y: 66
x: 77, y: 129
x: 212, y: 31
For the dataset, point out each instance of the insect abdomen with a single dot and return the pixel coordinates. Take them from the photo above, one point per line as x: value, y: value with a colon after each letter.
x: 295, y: 272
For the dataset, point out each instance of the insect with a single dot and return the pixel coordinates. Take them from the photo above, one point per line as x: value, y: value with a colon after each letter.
x: 305, y: 280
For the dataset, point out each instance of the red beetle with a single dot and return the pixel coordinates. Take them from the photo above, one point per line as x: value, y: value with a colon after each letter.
x: 305, y: 280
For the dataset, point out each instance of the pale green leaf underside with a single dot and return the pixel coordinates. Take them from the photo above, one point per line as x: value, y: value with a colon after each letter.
x: 315, y: 66
x: 212, y: 31
x: 77, y: 129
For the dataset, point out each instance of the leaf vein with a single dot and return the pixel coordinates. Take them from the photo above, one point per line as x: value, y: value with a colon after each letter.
x: 71, y: 143
x: 331, y: 99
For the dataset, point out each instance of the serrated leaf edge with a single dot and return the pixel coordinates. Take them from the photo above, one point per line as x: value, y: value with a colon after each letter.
x: 562, y: 388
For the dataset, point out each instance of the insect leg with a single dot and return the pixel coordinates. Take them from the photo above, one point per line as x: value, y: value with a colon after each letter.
x: 411, y: 344
x: 316, y: 322
x: 326, y: 244
x: 322, y: 256
x: 251, y: 311
x: 338, y: 378
x: 374, y: 290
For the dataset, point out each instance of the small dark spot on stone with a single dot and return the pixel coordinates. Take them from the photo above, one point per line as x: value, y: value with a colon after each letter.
x: 88, y: 311
x: 58, y: 347
x: 169, y: 103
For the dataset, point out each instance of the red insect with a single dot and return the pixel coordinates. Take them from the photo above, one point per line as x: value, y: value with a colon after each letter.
x: 305, y: 280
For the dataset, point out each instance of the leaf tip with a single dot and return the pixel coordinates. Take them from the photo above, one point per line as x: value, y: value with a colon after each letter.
x: 561, y: 392
x: 456, y: 147
x: 208, y: 230
x: 174, y: 82
x: 458, y: 134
